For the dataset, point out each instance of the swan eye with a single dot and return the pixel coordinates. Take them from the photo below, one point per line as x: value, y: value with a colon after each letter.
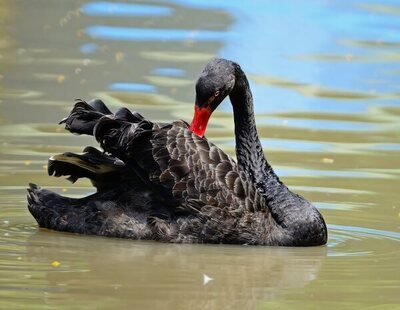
x: 216, y: 94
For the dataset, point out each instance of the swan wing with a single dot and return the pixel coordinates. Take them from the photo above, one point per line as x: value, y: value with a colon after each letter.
x: 186, y: 170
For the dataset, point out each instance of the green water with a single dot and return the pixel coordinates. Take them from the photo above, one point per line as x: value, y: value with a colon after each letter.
x: 325, y: 81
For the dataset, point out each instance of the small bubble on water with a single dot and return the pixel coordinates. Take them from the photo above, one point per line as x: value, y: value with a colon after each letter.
x: 63, y: 21
x: 119, y: 56
x: 80, y: 33
x: 116, y: 286
x: 349, y: 57
x: 86, y: 61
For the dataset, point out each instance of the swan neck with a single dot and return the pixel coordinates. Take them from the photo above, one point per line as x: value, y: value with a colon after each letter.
x: 249, y: 150
x: 287, y: 209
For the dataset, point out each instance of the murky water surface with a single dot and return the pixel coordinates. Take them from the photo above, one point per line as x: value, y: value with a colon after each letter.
x: 325, y: 77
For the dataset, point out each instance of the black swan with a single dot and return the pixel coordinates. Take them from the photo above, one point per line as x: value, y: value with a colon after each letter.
x: 167, y: 182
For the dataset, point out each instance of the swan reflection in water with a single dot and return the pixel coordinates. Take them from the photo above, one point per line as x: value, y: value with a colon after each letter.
x: 151, y: 275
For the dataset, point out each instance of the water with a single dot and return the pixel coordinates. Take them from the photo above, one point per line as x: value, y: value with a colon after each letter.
x: 325, y: 81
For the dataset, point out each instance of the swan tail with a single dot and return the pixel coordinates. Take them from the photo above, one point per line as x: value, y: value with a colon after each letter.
x: 51, y: 210
x: 100, y: 214
x: 57, y: 212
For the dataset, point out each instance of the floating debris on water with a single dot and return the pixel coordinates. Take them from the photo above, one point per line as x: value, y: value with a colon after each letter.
x: 327, y: 160
x: 60, y: 78
x: 349, y: 57
x: 55, y: 264
x: 68, y: 16
x: 119, y: 56
x: 206, y: 279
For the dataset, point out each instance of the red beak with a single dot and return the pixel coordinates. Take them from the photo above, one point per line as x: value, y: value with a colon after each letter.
x: 200, y: 120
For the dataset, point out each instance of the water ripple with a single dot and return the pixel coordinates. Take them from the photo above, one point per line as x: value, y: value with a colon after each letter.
x: 146, y: 34
x: 124, y: 9
x: 366, y: 232
x: 134, y: 87
x: 318, y: 91
x: 359, y: 238
x: 176, y: 72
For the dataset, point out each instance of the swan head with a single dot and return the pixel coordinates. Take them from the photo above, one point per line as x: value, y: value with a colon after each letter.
x: 216, y: 81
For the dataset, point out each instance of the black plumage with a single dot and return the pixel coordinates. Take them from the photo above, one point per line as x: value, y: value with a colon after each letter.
x: 164, y: 182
